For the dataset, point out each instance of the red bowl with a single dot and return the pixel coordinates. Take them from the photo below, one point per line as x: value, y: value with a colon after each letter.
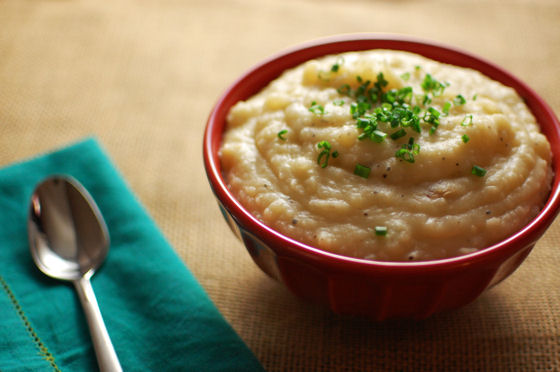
x: 354, y: 286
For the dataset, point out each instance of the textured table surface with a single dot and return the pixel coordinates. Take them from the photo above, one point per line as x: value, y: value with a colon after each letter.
x: 142, y: 77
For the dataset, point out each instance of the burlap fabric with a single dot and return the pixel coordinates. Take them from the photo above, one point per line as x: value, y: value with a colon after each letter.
x: 142, y: 76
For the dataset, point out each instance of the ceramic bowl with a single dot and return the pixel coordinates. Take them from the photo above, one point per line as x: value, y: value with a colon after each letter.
x: 375, y: 289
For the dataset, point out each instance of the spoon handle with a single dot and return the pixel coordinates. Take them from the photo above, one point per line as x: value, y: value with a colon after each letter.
x: 106, y: 355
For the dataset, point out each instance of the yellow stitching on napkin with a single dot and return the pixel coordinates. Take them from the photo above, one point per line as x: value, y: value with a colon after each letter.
x: 43, y: 351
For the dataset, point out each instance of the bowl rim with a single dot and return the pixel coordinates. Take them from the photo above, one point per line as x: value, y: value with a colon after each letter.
x: 275, y: 64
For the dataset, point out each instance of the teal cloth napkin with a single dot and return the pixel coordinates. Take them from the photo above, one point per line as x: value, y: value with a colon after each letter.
x: 158, y: 316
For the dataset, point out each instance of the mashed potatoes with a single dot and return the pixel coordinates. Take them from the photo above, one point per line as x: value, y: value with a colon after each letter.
x: 387, y: 155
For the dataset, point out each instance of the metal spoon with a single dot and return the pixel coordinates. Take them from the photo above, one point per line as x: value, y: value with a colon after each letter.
x: 68, y: 239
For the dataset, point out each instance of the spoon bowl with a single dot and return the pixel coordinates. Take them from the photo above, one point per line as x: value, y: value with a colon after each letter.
x: 68, y: 239
x: 68, y: 235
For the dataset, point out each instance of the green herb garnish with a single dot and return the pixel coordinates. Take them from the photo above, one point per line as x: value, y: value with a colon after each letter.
x: 459, y: 100
x: 282, y: 134
x: 478, y: 171
x: 467, y: 120
x: 325, y: 154
x: 380, y: 230
x: 465, y: 138
x: 398, y: 134
x: 431, y: 116
x: 381, y: 82
x: 362, y: 171
x: 373, y: 106
x: 377, y: 110
x: 378, y: 136
x: 408, y: 151
x: 317, y: 109
x: 335, y: 67
x: 431, y: 85
x: 345, y: 89
x: 358, y: 109
x: 446, y: 107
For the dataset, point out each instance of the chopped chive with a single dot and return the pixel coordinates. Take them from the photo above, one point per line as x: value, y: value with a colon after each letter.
x: 446, y: 107
x: 282, y: 133
x: 474, y: 97
x: 478, y: 171
x: 324, y: 145
x: 345, y: 89
x: 431, y: 85
x: 323, y: 159
x: 362, y: 171
x: 336, y: 66
x: 325, y: 154
x: 381, y: 82
x: 338, y: 102
x: 398, y: 134
x: 459, y: 100
x: 408, y: 151
x: 378, y: 136
x: 467, y: 120
x: 432, y: 117
x: 380, y: 230
x: 380, y: 112
x: 432, y: 114
x: 317, y: 109
x: 358, y: 109
x: 405, y: 154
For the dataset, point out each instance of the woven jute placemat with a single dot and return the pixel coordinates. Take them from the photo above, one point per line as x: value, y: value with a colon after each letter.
x: 142, y: 77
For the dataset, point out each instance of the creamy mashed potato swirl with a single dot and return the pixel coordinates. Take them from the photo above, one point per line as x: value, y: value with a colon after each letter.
x: 433, y: 207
